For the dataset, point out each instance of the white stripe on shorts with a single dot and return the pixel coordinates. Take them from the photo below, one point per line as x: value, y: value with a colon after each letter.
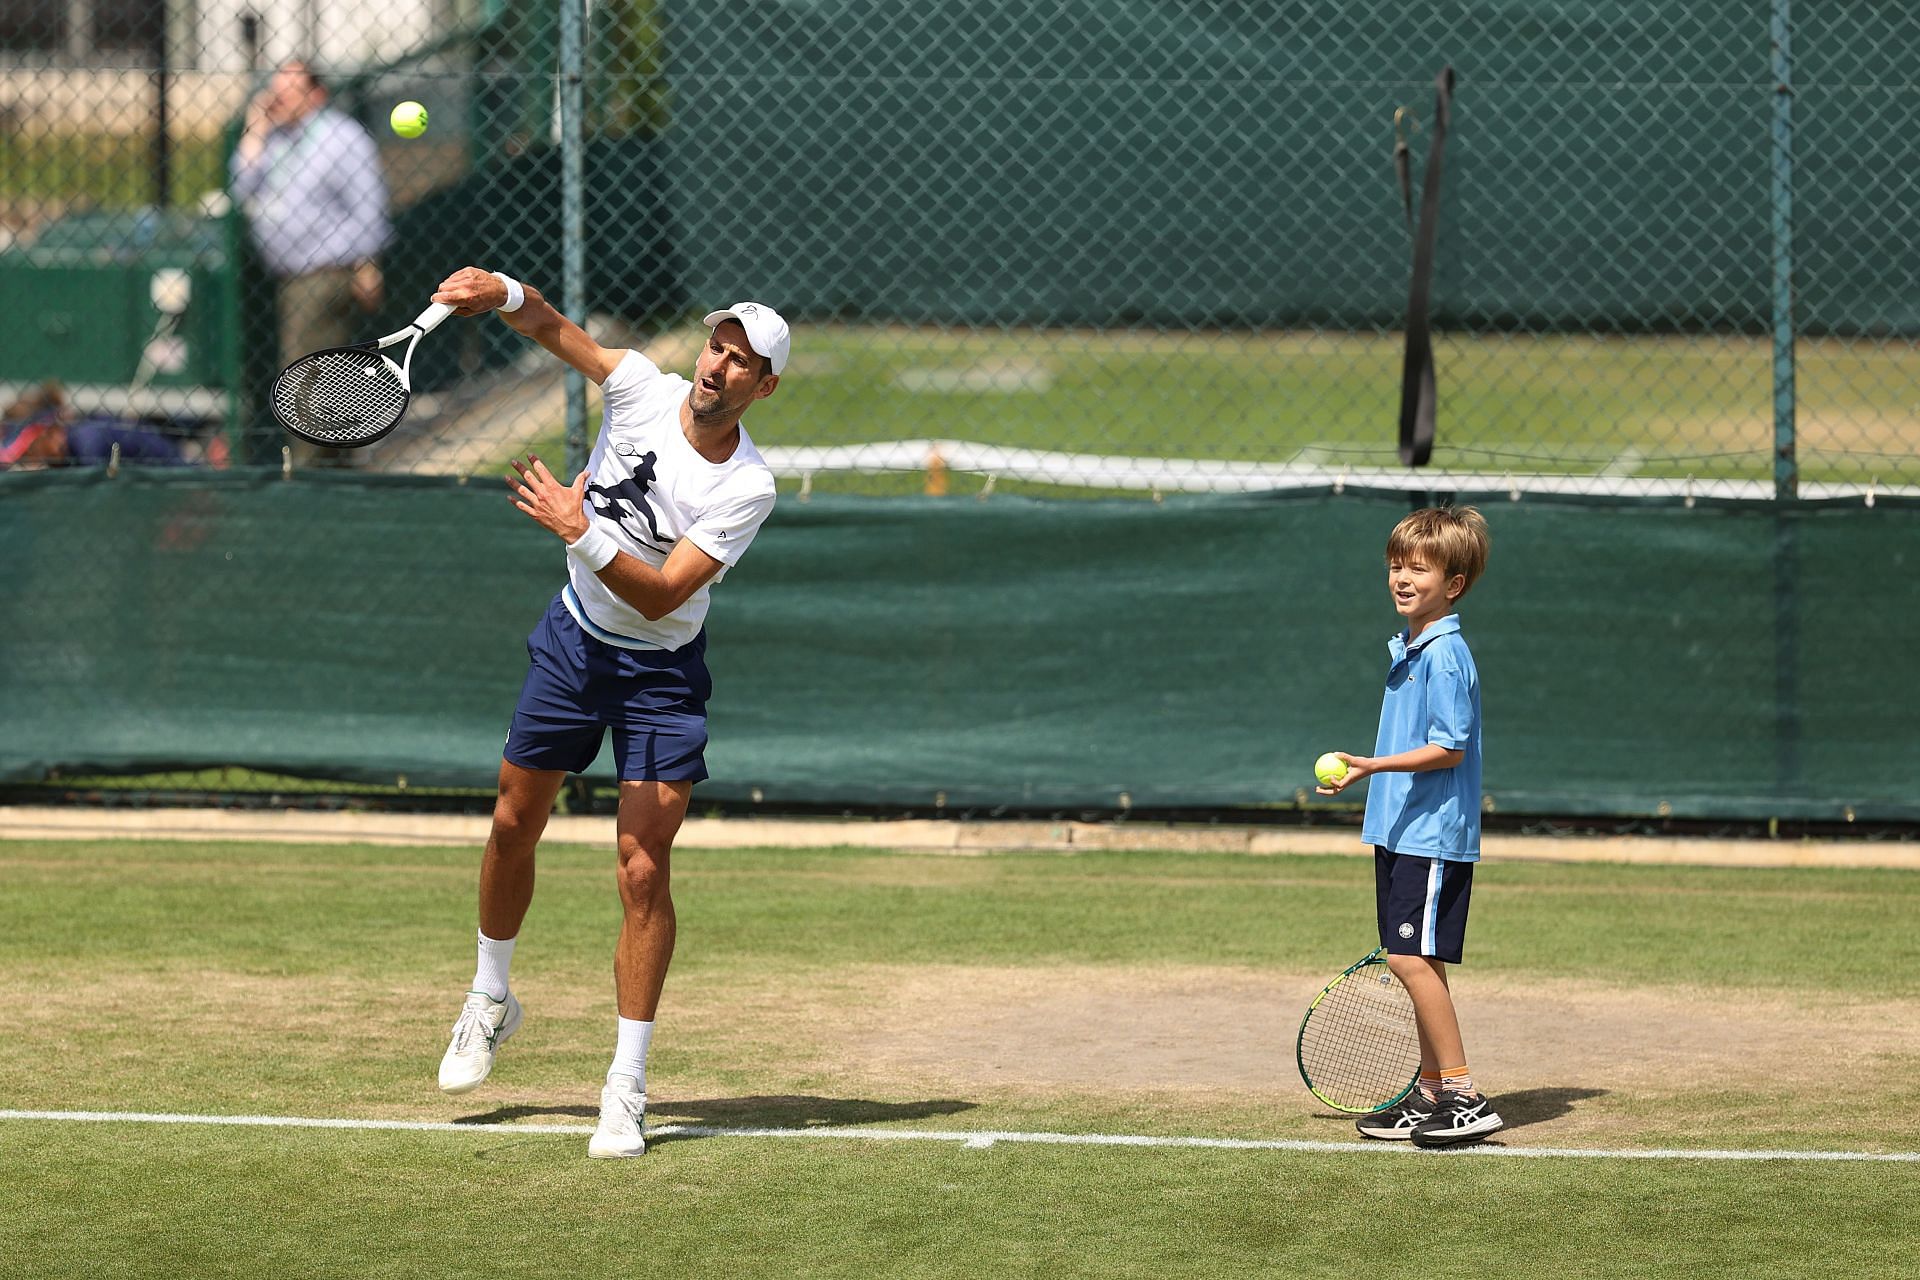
x: 1430, y: 914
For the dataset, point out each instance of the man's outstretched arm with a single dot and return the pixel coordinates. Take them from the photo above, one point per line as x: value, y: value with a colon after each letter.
x: 471, y: 292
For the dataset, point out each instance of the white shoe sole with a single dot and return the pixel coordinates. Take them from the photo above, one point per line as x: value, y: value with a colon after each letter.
x: 1468, y: 1133
x: 1386, y: 1135
x: 614, y: 1153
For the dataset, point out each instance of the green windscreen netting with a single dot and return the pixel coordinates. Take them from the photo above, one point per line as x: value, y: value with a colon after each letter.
x: 1083, y: 251
x: 1069, y: 244
x: 1688, y: 660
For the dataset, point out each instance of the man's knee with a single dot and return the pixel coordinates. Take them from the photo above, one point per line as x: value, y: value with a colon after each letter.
x: 515, y: 831
x: 643, y: 870
x: 520, y: 811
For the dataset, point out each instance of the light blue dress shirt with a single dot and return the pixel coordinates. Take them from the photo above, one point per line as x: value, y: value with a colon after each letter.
x: 314, y: 196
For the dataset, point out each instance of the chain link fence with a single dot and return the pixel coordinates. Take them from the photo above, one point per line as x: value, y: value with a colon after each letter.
x: 1062, y: 248
x: 1124, y: 245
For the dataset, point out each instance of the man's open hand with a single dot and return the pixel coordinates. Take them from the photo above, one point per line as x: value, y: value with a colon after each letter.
x: 555, y: 507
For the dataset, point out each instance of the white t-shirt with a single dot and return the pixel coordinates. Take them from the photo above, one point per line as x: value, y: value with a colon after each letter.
x: 648, y: 488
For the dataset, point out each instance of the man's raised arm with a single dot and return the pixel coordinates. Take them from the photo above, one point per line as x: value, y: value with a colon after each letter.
x: 471, y: 291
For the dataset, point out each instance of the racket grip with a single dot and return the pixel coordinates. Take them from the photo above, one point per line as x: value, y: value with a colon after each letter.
x: 429, y: 320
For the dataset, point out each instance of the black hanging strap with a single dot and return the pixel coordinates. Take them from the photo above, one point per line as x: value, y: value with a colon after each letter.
x: 1417, y: 393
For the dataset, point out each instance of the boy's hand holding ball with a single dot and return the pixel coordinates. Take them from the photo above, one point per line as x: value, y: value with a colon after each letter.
x: 1336, y: 771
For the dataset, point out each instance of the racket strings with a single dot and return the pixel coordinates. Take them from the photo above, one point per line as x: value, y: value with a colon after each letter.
x: 341, y: 398
x: 1359, y: 1046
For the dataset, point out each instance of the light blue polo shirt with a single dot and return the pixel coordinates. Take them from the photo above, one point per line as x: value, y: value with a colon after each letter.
x: 1433, y: 696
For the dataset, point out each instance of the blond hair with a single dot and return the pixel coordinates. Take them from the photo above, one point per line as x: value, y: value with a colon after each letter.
x: 1455, y: 538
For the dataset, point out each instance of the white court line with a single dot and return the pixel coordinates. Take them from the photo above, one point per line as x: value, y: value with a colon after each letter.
x: 983, y: 1138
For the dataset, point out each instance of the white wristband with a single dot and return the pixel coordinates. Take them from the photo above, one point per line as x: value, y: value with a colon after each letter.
x: 516, y: 296
x: 594, y: 549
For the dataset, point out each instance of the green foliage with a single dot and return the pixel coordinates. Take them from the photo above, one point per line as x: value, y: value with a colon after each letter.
x: 107, y: 170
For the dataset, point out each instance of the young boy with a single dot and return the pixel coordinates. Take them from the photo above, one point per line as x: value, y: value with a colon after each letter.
x: 1423, y: 814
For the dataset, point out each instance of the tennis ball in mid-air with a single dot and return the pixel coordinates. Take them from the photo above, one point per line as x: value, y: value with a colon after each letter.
x: 1329, y: 768
x: 409, y: 119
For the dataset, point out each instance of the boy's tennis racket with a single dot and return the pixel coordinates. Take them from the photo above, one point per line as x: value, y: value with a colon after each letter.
x: 1359, y: 1049
x: 347, y: 397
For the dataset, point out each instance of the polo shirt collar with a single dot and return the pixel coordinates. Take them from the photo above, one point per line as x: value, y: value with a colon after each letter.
x: 1399, y: 647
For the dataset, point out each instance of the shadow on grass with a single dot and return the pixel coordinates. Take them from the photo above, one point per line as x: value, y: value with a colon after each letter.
x: 800, y: 1111
x: 776, y: 1111
x: 1532, y: 1106
x: 507, y: 1115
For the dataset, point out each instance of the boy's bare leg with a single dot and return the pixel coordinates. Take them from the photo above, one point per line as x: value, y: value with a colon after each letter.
x: 1426, y: 982
x: 1433, y: 1018
x: 1464, y: 1114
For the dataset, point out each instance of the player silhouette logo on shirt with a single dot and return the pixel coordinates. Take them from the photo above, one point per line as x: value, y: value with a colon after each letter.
x: 627, y: 502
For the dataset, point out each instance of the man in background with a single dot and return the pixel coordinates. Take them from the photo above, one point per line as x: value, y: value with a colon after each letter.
x: 309, y: 179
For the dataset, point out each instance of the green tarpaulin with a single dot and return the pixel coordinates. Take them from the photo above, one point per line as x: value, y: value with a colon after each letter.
x: 1637, y: 660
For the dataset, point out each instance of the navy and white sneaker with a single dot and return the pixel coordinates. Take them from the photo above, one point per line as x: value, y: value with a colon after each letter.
x: 1397, y: 1122
x: 1459, y: 1117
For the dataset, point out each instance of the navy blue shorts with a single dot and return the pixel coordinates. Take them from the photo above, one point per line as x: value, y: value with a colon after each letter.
x: 1421, y: 904
x: 654, y: 700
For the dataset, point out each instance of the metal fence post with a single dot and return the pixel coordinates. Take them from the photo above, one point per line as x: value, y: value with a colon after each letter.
x: 573, y: 274
x: 1786, y: 480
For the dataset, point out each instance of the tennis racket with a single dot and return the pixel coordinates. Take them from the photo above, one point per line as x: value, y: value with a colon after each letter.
x: 1359, y: 1049
x: 349, y: 397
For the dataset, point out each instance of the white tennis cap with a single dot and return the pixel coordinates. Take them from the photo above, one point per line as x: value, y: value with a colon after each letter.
x: 766, y: 331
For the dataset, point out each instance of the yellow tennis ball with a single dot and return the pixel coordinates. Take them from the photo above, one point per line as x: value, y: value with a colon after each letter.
x: 409, y: 119
x: 1329, y: 768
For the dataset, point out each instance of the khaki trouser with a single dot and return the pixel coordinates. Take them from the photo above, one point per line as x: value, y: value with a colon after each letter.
x: 317, y: 310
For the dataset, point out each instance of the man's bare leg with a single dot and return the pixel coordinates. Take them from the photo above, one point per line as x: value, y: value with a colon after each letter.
x: 491, y: 1013
x: 650, y: 818
x: 520, y: 813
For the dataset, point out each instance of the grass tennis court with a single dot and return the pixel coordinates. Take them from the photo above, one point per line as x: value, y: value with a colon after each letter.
x: 1659, y: 407
x: 1608, y: 1009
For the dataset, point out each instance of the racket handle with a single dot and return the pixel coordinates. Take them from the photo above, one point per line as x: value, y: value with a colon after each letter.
x: 429, y: 320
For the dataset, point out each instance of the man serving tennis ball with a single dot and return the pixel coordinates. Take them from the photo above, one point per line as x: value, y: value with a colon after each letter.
x: 672, y: 496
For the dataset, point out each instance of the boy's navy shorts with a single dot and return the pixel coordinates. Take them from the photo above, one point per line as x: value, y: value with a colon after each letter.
x: 1421, y: 904
x: 578, y: 687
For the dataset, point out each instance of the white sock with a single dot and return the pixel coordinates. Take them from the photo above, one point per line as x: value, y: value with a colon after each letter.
x: 490, y: 975
x: 630, y: 1051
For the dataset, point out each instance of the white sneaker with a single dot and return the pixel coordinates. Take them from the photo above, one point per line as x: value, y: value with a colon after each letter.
x: 623, y: 1120
x: 482, y: 1027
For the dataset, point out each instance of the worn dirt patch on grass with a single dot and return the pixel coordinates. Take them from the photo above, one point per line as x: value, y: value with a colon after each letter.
x: 1189, y: 1043
x: 1211, y: 1028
